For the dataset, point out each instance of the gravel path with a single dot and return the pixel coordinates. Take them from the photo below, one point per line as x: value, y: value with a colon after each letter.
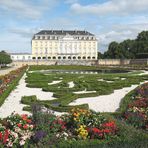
x: 12, y: 103
x: 105, y: 103
x: 6, y: 71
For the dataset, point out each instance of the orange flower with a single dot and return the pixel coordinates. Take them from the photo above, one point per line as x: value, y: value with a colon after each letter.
x: 75, y: 114
x: 24, y: 117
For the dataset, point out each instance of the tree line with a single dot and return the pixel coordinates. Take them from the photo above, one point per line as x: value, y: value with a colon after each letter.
x: 4, y: 58
x: 128, y: 49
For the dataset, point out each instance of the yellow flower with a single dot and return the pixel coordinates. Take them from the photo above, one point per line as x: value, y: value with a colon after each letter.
x: 82, y: 132
x: 75, y: 119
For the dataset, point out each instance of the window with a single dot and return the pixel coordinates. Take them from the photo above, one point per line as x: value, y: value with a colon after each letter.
x: 69, y: 57
x: 93, y: 57
x: 74, y: 57
x: 88, y: 57
x: 84, y: 57
x: 54, y: 57
x: 49, y: 57
x: 79, y: 57
x: 64, y: 57
x: 44, y: 58
x: 39, y: 57
x: 59, y: 57
x: 33, y: 58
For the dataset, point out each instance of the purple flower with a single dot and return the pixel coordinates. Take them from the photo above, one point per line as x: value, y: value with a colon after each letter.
x: 39, y: 135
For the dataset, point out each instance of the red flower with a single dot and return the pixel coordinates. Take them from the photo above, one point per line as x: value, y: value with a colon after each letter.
x: 25, y: 126
x: 19, y: 125
x: 96, y: 130
x: 109, y: 124
x: 24, y: 117
x: 1, y: 135
x: 6, y: 136
x: 63, y: 127
x: 28, y: 121
x: 106, y: 131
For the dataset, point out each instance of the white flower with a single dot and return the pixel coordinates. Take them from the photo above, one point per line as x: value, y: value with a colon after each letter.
x: 10, y: 144
x: 57, y: 135
x: 65, y: 134
x: 14, y: 134
x: 22, y: 142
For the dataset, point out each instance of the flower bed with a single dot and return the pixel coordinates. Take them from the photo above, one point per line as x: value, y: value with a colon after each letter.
x: 8, y: 78
x: 47, y: 129
x: 79, y: 124
x: 8, y: 82
x: 137, y: 111
x: 15, y: 130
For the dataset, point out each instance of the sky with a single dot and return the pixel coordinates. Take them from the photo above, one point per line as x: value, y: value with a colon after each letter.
x: 109, y: 20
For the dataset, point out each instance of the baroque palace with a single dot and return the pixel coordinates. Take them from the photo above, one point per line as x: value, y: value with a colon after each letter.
x: 61, y: 45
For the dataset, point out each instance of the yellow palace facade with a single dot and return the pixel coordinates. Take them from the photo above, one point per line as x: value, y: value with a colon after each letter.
x: 64, y: 45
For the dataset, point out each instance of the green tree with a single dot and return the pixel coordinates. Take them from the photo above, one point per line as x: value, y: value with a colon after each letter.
x: 100, y: 55
x: 4, y: 58
x: 129, y: 49
x: 114, y: 51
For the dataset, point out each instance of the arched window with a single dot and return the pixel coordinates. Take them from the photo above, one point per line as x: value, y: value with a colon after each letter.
x: 33, y: 58
x: 93, y: 57
x: 59, y: 57
x: 49, y: 57
x: 69, y: 57
x: 84, y: 57
x: 54, y: 57
x: 39, y: 57
x: 79, y: 57
x: 74, y: 57
x: 88, y: 57
x: 64, y: 57
x: 44, y: 58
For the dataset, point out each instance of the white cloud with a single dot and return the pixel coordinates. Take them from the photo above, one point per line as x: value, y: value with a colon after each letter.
x: 25, y: 8
x: 116, y: 7
x: 120, y: 33
x: 23, y: 32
